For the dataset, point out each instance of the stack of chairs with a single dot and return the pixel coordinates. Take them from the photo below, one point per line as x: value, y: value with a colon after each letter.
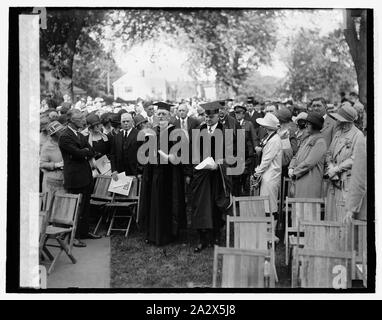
x: 249, y: 258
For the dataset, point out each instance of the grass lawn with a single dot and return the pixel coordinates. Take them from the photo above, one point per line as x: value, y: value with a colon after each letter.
x: 135, y: 264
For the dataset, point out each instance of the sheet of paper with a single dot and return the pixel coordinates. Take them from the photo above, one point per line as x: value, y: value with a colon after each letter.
x: 103, y: 165
x: 207, y: 163
x: 122, y: 185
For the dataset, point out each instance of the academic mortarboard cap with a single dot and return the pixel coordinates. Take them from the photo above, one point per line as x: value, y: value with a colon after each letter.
x: 211, y: 107
x: 163, y: 105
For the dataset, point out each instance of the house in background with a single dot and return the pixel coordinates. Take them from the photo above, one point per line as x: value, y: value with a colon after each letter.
x: 152, y: 87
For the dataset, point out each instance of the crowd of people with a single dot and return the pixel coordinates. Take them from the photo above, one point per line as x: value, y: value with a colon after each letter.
x: 321, y: 147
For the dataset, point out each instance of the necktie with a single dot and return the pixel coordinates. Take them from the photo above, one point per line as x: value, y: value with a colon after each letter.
x: 183, y: 124
x: 209, y: 129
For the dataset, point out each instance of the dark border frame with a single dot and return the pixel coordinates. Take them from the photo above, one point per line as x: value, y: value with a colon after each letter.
x: 13, y: 189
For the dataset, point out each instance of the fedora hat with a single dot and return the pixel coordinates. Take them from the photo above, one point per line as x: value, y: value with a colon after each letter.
x: 269, y: 121
x: 346, y: 113
x: 54, y: 127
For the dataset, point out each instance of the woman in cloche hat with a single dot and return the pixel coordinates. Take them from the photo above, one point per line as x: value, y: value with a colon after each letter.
x: 307, y: 166
x: 51, y: 162
x: 340, y: 160
x: 96, y: 138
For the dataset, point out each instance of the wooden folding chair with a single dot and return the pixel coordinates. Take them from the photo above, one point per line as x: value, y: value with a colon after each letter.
x: 101, y: 196
x: 63, y: 223
x: 296, y: 209
x: 284, y: 192
x: 253, y: 234
x: 250, y: 206
x: 359, y: 245
x: 130, y: 202
x: 325, y: 269
x: 240, y: 268
x: 326, y: 236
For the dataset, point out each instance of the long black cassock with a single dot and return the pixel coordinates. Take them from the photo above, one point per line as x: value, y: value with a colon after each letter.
x: 210, y: 190
x: 162, y: 201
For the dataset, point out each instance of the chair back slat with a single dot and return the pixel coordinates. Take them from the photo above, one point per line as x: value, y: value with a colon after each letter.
x: 325, y: 235
x: 304, y: 209
x: 64, y: 208
x: 322, y: 269
x: 101, y: 187
x: 250, y: 206
x: 240, y: 268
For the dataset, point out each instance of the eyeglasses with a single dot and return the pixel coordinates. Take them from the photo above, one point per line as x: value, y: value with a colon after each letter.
x: 317, y: 105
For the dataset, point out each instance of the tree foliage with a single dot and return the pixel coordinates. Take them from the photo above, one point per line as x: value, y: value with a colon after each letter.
x: 60, y: 41
x: 91, y: 67
x: 231, y: 42
x: 319, y: 66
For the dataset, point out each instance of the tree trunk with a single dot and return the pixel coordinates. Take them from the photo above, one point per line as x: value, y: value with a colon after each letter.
x: 358, y: 50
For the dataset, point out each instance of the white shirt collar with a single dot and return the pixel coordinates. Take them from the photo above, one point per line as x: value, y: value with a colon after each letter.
x: 325, y: 115
x: 213, y: 127
x: 241, y: 122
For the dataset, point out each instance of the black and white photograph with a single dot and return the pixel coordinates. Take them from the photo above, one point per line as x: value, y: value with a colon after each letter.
x: 191, y: 149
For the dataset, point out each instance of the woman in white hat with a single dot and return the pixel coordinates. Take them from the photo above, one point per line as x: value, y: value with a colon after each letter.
x: 270, y: 151
x: 51, y: 162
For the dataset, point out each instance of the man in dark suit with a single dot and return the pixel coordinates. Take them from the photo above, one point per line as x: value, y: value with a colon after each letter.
x: 76, y: 153
x: 229, y: 122
x: 124, y: 148
x: 254, y: 111
x: 251, y: 141
x: 329, y: 127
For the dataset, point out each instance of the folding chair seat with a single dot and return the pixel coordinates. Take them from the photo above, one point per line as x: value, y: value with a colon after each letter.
x: 253, y: 234
x: 253, y: 206
x: 62, y: 228
x: 101, y: 196
x: 239, y: 268
x: 309, y: 209
x: 130, y: 203
x: 325, y: 236
x: 359, y: 245
x: 325, y: 269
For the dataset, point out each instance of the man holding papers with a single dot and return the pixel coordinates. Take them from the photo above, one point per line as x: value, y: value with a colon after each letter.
x: 210, y: 185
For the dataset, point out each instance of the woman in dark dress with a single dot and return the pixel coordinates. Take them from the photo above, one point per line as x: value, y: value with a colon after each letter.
x: 162, y: 201
x: 96, y: 138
